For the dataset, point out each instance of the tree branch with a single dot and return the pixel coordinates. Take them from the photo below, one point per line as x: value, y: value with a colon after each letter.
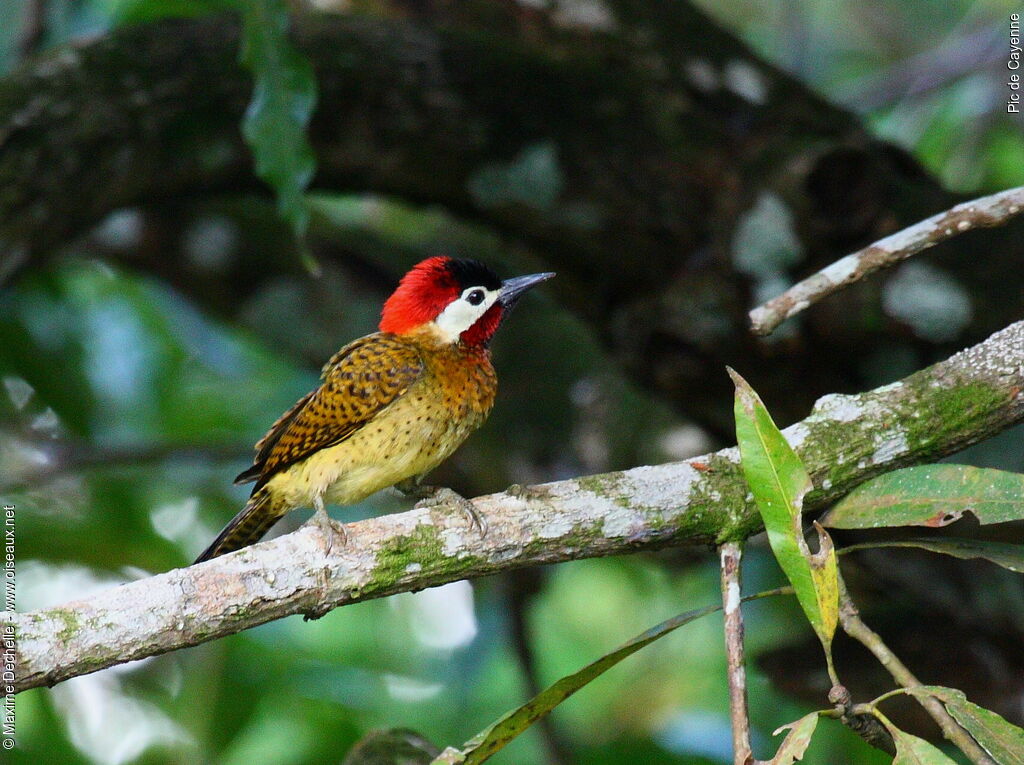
x: 844, y: 441
x: 730, y: 556
x: 993, y: 210
x: 855, y: 627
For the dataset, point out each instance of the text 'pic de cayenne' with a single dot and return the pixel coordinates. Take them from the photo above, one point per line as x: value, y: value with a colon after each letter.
x: 391, y: 406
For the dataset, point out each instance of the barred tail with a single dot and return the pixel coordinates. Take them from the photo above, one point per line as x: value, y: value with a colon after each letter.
x: 246, y: 528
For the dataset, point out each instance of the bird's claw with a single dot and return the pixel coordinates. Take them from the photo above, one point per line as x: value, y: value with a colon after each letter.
x: 330, y: 529
x: 441, y: 495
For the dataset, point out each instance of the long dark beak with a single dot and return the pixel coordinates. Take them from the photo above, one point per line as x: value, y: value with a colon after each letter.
x: 512, y: 289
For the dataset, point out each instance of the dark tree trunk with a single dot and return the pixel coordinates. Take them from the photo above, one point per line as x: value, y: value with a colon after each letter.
x: 658, y: 138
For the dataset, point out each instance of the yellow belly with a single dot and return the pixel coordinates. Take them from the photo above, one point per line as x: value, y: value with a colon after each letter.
x: 409, y: 438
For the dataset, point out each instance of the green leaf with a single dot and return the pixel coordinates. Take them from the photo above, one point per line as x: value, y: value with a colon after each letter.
x: 1001, y: 553
x: 1001, y: 739
x: 797, y: 741
x: 911, y: 750
x: 283, y: 99
x: 931, y: 495
x: 494, y: 737
x: 779, y: 483
x: 497, y: 735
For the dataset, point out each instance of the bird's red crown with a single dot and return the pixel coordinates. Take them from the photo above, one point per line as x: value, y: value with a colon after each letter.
x: 430, y: 287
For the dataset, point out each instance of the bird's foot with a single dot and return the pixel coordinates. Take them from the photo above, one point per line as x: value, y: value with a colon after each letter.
x: 430, y: 496
x: 330, y: 529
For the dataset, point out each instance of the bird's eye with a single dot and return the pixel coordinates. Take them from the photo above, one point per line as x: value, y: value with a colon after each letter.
x: 476, y: 297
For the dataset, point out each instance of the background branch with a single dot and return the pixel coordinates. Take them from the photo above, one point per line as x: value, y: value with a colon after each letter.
x: 844, y: 441
x: 993, y: 210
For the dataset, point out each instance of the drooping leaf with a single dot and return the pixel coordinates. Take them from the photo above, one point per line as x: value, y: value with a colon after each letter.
x: 498, y: 734
x: 1001, y: 553
x: 394, y: 746
x: 501, y: 732
x: 931, y: 495
x: 1003, y: 740
x: 796, y: 741
x: 911, y: 750
x: 779, y: 483
x: 283, y: 98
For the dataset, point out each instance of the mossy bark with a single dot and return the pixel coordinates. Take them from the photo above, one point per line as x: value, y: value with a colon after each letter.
x: 701, y: 501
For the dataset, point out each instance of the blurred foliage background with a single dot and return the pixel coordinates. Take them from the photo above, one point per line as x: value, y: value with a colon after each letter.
x: 128, y: 406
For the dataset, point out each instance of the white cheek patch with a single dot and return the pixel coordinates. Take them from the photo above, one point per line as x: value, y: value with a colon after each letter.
x: 460, y: 314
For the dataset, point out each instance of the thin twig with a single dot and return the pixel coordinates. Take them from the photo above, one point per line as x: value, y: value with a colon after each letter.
x: 849, y: 617
x: 994, y: 210
x: 69, y: 457
x: 731, y: 554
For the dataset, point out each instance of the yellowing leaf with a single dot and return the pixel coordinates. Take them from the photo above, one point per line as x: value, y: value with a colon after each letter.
x: 779, y: 483
x: 825, y: 572
x: 796, y: 741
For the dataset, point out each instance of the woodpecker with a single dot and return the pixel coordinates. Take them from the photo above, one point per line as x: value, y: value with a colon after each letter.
x: 390, y: 406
